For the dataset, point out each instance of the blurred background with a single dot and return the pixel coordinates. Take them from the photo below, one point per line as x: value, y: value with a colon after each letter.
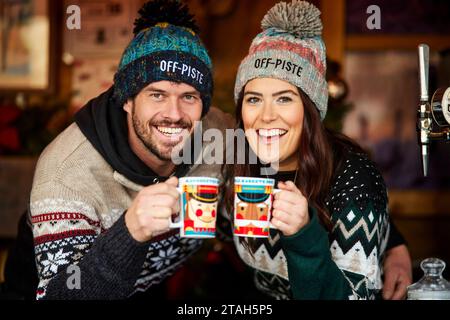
x: 48, y: 70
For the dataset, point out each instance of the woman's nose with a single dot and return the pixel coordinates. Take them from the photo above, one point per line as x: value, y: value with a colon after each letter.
x: 268, y: 113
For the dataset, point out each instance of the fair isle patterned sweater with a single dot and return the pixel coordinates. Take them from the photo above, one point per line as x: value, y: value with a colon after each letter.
x: 343, y: 264
x: 77, y: 209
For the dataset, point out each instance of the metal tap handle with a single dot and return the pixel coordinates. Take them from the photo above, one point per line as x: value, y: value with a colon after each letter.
x: 423, y: 114
x: 424, y: 58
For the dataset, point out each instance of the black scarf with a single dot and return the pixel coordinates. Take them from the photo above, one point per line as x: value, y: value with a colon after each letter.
x: 104, y: 124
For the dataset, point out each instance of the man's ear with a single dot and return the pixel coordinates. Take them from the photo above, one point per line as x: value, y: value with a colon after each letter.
x: 128, y: 106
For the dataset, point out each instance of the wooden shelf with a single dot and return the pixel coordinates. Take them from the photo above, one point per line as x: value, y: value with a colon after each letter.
x: 419, y: 203
x: 395, y: 42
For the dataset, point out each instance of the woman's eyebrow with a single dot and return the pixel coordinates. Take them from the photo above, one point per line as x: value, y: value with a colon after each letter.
x: 284, y: 92
x: 253, y: 93
x: 273, y: 94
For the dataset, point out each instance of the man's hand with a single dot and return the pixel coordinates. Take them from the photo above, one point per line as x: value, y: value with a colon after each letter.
x: 151, y: 210
x: 397, y: 273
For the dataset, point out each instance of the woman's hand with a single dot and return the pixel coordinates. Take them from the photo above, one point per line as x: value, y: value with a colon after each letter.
x: 290, y: 209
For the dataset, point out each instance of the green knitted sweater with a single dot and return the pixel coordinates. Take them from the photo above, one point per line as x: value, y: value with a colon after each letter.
x: 344, y: 263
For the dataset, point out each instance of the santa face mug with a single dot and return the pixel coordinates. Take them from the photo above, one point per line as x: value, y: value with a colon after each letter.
x: 198, y: 207
x: 253, y: 198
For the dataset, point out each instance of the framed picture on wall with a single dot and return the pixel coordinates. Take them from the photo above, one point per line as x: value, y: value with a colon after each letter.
x: 27, y: 45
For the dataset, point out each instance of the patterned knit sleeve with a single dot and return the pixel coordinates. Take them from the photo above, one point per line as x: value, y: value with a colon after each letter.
x: 75, y: 258
x: 358, y: 208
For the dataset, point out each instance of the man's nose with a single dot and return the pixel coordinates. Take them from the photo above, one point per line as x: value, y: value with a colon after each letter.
x: 172, y: 110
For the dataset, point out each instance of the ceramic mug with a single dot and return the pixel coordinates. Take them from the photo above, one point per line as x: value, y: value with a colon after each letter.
x: 253, y: 198
x: 198, y: 207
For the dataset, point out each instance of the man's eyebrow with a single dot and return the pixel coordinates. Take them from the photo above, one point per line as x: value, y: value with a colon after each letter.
x: 192, y: 93
x: 153, y: 89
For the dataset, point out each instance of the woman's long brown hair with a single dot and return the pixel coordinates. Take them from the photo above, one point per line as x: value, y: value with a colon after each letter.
x: 320, y: 154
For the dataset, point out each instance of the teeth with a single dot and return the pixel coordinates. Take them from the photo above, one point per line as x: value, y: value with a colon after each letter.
x: 169, y: 130
x: 271, y: 132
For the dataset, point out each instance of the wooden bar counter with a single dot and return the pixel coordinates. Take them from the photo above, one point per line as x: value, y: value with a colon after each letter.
x: 423, y: 217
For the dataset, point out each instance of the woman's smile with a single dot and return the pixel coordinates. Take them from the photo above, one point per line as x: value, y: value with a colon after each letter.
x: 268, y: 136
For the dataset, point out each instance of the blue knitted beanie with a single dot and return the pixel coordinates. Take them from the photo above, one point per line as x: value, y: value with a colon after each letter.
x: 165, y: 47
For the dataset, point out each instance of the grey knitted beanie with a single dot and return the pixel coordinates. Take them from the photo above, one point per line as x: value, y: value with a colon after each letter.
x: 289, y: 48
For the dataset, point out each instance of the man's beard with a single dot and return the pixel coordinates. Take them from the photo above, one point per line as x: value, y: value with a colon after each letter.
x: 144, y: 133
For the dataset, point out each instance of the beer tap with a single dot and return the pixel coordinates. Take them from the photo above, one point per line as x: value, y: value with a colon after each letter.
x: 433, y: 119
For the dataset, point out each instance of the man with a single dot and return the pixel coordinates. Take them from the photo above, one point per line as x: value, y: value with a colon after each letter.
x: 105, y: 188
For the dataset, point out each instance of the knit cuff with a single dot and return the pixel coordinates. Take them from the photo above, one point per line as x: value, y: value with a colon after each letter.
x: 122, y: 250
x: 308, y: 237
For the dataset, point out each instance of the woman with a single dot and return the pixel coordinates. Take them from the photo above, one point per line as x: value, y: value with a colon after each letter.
x: 331, y: 213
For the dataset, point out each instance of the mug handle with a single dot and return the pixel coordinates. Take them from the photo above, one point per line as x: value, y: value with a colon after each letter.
x: 271, y: 226
x: 178, y: 224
